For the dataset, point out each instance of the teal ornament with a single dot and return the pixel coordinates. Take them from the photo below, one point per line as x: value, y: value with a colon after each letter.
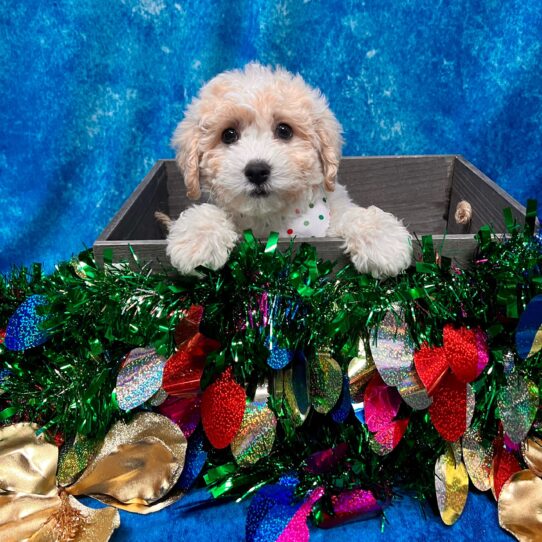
x: 529, y: 330
x: 24, y: 329
x: 139, y: 378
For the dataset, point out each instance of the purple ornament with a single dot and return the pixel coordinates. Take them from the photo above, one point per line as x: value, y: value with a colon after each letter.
x: 24, y: 327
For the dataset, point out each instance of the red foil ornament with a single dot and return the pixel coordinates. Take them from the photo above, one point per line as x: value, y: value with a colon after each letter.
x: 449, y: 408
x: 222, y: 409
x: 189, y: 325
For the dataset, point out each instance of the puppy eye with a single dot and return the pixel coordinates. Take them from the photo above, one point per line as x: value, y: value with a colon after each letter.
x: 284, y: 131
x: 229, y: 136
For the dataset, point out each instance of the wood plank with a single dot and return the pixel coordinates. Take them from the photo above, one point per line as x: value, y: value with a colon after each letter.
x: 486, y: 198
x: 414, y: 188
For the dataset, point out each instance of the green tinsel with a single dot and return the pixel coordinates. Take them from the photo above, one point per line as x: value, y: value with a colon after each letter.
x: 95, y: 316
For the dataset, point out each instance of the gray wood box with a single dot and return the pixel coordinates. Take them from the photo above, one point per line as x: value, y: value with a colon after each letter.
x: 422, y: 190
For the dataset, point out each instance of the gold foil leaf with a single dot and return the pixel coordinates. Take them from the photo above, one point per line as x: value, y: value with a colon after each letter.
x: 21, y: 451
x: 532, y: 454
x: 520, y: 506
x: 138, y: 463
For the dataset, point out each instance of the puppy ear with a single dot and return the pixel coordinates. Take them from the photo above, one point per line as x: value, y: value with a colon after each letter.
x: 186, y: 142
x: 328, y: 132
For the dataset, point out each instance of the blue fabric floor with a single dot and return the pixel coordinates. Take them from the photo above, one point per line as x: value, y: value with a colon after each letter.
x: 196, y: 518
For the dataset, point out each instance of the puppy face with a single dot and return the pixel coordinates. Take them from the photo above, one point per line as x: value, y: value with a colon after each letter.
x: 258, y: 140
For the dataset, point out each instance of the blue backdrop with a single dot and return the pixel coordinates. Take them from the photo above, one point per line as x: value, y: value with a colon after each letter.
x: 91, y: 90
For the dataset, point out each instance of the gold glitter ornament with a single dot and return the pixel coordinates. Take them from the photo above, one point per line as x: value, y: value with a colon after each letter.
x: 520, y: 506
x: 292, y: 386
x: 452, y: 487
x: 326, y: 382
x: 256, y: 435
x: 478, y: 457
x: 360, y: 370
x: 531, y: 450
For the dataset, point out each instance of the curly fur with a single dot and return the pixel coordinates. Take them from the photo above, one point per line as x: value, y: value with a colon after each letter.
x: 254, y: 101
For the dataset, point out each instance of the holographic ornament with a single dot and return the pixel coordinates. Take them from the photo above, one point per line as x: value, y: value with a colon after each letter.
x: 222, y: 409
x: 342, y: 409
x: 451, y: 486
x: 386, y: 439
x: 24, y: 329
x: 351, y: 505
x: 529, y: 330
x: 256, y: 435
x: 478, y: 457
x: 326, y: 381
x: 392, y: 351
x: 532, y: 454
x: 158, y: 398
x: 518, y: 404
x: 393, y: 356
x: 139, y: 378
x: 194, y: 460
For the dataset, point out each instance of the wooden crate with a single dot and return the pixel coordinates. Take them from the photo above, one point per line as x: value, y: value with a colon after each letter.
x: 422, y: 190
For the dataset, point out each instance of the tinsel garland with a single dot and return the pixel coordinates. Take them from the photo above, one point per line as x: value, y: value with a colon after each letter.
x: 263, y: 310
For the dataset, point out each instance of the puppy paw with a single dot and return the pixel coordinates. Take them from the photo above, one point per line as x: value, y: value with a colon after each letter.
x: 376, y: 241
x: 202, y: 235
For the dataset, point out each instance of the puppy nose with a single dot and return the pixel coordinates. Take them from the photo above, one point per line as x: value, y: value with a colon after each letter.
x: 257, y: 172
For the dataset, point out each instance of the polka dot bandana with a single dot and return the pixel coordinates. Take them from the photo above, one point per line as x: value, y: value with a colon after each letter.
x: 312, y: 222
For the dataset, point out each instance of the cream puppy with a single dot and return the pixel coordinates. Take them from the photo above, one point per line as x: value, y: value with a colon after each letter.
x: 265, y: 149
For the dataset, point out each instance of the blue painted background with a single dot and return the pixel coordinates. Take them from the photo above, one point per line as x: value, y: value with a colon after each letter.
x: 91, y: 90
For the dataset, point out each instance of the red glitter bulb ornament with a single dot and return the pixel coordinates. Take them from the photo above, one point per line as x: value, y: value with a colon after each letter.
x: 449, y: 408
x: 504, y: 465
x: 222, y: 409
x: 461, y: 352
x: 431, y: 365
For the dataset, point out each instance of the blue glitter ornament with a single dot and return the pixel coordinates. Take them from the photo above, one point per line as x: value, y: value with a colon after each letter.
x: 343, y: 407
x: 194, y: 460
x: 24, y: 327
x: 271, y: 510
x: 279, y: 357
x: 529, y: 330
